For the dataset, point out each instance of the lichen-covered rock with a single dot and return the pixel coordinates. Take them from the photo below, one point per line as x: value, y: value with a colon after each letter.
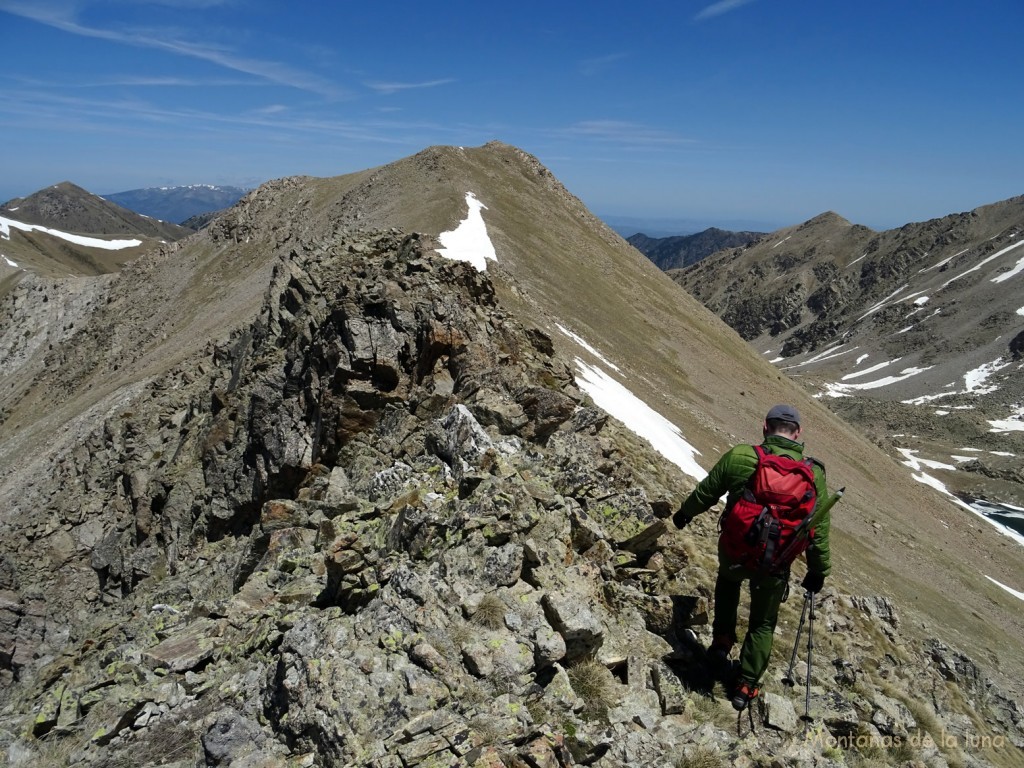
x: 380, y: 525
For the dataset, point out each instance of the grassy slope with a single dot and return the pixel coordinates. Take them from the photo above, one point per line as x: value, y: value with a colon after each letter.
x: 683, y: 361
x: 559, y: 264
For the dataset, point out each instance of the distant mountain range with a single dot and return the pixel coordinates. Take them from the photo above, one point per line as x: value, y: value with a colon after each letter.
x: 915, y: 334
x: 66, y: 206
x: 658, y: 227
x: 683, y: 250
x: 178, y: 204
x: 64, y: 230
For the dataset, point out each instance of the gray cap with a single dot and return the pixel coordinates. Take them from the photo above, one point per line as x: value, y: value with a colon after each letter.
x: 785, y: 413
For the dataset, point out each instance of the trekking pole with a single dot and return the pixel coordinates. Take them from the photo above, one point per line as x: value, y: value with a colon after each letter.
x: 802, y: 531
x: 806, y: 717
x: 788, y: 680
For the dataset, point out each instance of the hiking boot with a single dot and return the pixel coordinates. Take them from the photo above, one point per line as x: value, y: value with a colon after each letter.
x: 744, y: 694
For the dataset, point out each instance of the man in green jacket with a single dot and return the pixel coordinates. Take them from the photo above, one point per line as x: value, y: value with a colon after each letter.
x: 730, y: 475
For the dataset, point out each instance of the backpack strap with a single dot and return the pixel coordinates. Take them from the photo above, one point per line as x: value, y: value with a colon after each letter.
x: 759, y: 453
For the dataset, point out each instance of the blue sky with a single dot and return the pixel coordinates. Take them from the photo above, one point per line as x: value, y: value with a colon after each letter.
x: 735, y: 113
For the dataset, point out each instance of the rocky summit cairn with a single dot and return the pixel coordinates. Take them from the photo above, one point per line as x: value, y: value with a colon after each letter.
x: 380, y: 525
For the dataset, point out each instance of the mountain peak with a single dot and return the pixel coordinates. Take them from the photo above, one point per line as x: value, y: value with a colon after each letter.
x: 68, y: 207
x: 304, y: 461
x: 828, y: 218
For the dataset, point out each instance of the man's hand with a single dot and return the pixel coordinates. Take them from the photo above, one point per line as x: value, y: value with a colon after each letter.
x: 813, y: 582
x: 680, y: 520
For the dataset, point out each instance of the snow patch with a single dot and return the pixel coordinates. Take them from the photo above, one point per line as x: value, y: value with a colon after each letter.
x: 1007, y: 425
x: 944, y: 261
x: 866, y: 371
x: 579, y: 340
x: 883, y: 302
x: 983, y: 262
x: 1014, y: 423
x: 613, y: 398
x: 827, y: 354
x: 89, y: 242
x: 974, y: 383
x: 1016, y: 270
x: 915, y: 462
x: 975, y: 380
x: 11, y: 263
x: 469, y: 241
x: 1014, y: 592
x: 840, y: 390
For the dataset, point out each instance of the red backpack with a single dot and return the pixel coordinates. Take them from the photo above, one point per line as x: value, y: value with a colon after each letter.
x: 768, y: 526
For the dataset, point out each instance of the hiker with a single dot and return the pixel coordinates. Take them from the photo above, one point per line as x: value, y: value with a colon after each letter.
x: 734, y: 473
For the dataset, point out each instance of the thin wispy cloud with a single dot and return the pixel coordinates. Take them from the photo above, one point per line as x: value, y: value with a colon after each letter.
x: 599, y: 64
x: 271, y: 109
x: 625, y: 133
x: 160, y: 82
x: 389, y: 88
x: 717, y: 9
x: 191, y: 4
x: 42, y: 111
x: 61, y: 17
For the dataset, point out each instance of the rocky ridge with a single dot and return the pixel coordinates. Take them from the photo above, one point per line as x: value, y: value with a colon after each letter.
x: 299, y: 493
x: 382, y: 526
x: 913, y: 334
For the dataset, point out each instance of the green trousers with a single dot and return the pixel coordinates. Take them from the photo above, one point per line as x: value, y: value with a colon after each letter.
x: 765, y: 597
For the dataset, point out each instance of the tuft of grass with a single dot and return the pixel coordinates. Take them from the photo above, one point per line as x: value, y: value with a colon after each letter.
x: 539, y: 711
x: 55, y: 752
x: 488, y: 730
x: 860, y: 760
x: 705, y: 708
x: 902, y: 752
x: 700, y: 757
x: 490, y: 612
x: 595, y: 685
x: 459, y: 634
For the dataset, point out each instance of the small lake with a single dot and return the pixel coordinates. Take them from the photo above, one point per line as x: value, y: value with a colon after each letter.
x: 1011, y: 518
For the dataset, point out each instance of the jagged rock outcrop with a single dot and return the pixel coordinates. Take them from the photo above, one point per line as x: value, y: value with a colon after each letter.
x: 382, y: 526
x: 312, y: 495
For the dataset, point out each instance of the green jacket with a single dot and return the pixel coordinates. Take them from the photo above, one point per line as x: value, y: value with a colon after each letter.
x: 730, y: 475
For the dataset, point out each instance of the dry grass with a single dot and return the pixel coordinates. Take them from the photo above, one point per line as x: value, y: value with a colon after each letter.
x: 701, y: 757
x: 490, y: 612
x: 593, y: 683
x: 706, y: 709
